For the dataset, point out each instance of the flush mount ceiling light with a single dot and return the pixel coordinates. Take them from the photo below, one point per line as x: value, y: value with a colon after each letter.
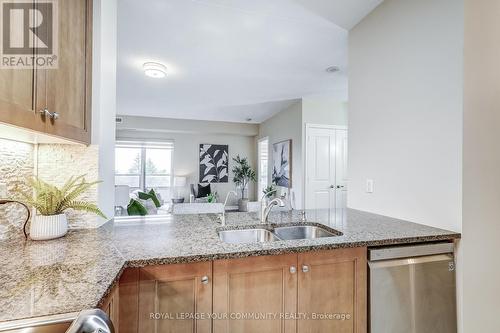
x: 154, y: 69
x: 333, y: 69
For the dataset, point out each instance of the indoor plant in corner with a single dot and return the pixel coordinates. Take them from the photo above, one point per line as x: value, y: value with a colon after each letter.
x: 51, y: 201
x: 243, y: 175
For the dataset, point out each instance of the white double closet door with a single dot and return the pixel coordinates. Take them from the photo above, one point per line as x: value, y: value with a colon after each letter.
x: 326, y: 170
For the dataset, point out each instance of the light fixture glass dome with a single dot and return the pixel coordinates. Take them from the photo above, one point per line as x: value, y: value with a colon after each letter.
x: 154, y: 69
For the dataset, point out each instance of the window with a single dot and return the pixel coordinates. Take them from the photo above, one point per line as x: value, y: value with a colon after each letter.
x: 263, y: 157
x: 145, y: 165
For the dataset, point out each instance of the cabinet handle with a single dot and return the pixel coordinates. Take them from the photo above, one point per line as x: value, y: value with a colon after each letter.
x: 46, y: 113
x: 305, y: 268
x: 204, y: 279
x: 293, y: 269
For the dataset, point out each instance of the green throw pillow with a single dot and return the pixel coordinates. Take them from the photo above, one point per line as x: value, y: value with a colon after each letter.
x: 150, y: 195
x: 136, y: 208
x: 154, y: 196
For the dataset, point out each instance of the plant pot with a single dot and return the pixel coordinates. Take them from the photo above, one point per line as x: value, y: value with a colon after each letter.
x: 48, y: 227
x: 243, y: 205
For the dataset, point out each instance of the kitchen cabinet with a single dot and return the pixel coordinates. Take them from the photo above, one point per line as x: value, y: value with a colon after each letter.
x: 332, y: 291
x: 310, y: 292
x: 256, y: 285
x: 64, y: 92
x: 111, y: 306
x: 171, y: 297
x: 17, y: 98
x: 129, y: 296
x: 322, y: 291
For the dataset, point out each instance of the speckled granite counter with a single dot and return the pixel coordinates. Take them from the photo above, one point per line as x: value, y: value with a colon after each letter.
x: 75, y: 272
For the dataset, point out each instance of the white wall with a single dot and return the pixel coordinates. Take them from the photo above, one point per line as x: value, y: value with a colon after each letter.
x: 324, y: 109
x: 405, y: 111
x: 481, y: 170
x: 283, y: 126
x: 104, y: 97
x: 188, y: 135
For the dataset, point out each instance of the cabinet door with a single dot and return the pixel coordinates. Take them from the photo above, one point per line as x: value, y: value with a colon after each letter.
x: 17, y: 98
x: 332, y: 291
x: 129, y: 301
x: 111, y: 306
x: 175, y: 298
x: 67, y: 89
x: 255, y: 286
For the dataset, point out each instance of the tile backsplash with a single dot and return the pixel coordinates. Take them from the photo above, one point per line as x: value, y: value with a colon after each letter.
x: 54, y: 163
x: 16, y: 165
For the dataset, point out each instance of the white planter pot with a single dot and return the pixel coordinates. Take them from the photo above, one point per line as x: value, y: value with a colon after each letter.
x: 243, y: 205
x: 48, y: 227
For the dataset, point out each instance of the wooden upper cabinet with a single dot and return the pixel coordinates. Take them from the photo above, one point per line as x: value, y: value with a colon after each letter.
x: 17, y: 98
x: 67, y: 89
x: 333, y: 283
x: 171, y: 296
x: 255, y: 285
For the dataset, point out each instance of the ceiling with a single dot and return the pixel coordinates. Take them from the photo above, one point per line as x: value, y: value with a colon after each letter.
x: 230, y: 60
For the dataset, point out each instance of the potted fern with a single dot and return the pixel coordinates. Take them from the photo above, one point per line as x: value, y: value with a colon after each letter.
x: 51, y: 202
x: 243, y: 175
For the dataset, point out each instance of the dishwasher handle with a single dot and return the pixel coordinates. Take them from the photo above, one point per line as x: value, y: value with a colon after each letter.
x: 91, y: 321
x: 409, y: 251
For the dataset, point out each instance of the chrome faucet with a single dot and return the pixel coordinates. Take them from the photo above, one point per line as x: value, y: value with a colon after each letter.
x: 264, y: 214
x: 223, y: 215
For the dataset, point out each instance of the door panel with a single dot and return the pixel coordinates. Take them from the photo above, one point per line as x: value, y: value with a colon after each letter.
x: 129, y: 300
x: 326, y: 170
x: 176, y: 295
x: 320, y: 166
x: 334, y: 284
x: 67, y: 89
x: 256, y: 285
x: 17, y: 98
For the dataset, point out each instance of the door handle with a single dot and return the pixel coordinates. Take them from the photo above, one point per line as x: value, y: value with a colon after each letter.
x: 204, y: 279
x: 340, y: 186
x: 332, y: 186
x: 305, y: 268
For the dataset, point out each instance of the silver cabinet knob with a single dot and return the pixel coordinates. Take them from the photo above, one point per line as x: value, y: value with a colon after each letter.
x: 204, y: 279
x: 305, y: 268
x: 46, y: 113
x: 293, y: 269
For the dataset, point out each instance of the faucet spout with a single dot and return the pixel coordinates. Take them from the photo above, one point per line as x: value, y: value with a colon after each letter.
x: 267, y: 209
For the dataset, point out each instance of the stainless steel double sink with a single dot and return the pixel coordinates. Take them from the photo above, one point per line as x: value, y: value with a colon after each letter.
x: 276, y: 233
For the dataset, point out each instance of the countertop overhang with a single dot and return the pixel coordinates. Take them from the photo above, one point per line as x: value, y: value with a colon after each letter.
x: 76, y: 272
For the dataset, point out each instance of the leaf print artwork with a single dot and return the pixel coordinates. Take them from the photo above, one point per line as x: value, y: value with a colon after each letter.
x: 214, y: 163
x: 281, y: 154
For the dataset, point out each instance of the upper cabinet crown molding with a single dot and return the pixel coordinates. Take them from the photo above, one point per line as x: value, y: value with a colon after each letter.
x: 55, y: 101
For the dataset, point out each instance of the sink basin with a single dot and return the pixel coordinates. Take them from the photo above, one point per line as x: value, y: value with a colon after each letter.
x: 302, y: 232
x: 247, y: 236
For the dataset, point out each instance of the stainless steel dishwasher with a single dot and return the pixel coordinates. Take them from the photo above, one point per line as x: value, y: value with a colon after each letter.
x: 412, y: 289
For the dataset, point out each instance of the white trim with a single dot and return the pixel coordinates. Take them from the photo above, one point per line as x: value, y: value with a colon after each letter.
x: 259, y: 194
x: 339, y: 127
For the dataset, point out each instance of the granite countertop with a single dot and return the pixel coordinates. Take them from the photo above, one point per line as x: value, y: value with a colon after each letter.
x: 77, y: 271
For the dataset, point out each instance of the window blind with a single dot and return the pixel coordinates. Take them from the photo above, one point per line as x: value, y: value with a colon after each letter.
x: 167, y: 144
